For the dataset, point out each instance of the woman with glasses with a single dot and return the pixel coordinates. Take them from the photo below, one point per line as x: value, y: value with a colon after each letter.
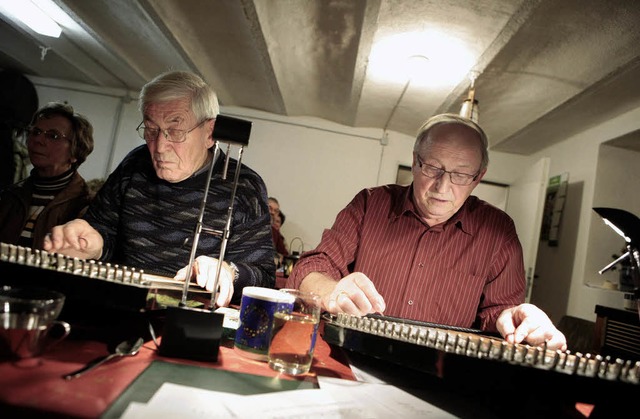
x: 58, y: 141
x: 429, y: 251
x: 146, y: 213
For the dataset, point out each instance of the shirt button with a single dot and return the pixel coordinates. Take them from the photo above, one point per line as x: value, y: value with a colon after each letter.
x: 410, y: 302
x: 421, y: 265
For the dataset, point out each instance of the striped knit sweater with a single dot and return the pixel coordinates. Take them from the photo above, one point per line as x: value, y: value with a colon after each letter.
x: 44, y: 190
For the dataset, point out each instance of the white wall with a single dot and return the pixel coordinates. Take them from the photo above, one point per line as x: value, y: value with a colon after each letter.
x: 578, y: 155
x: 311, y: 166
x: 314, y: 167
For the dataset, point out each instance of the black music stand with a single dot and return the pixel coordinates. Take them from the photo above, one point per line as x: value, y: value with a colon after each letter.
x: 190, y: 332
x: 626, y: 225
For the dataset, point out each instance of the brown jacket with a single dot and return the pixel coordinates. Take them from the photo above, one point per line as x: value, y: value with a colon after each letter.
x: 15, y: 200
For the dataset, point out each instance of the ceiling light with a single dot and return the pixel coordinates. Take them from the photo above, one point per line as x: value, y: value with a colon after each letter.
x: 417, y: 65
x: 470, y: 104
x: 448, y: 63
x: 32, y: 16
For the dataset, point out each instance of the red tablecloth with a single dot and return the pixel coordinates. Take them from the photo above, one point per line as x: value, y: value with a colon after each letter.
x: 37, y: 384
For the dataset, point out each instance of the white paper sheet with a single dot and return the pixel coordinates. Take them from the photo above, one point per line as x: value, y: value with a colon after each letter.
x: 336, y: 398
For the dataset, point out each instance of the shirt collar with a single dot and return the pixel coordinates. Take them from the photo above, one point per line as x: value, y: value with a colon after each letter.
x: 463, y: 219
x: 404, y: 204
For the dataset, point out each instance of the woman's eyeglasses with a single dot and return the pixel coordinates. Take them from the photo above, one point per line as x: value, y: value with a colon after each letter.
x: 50, y: 134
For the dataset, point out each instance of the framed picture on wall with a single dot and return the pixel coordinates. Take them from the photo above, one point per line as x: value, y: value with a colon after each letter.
x: 553, y: 208
x: 404, y: 176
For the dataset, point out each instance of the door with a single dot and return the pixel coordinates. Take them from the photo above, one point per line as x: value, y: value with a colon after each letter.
x: 525, y: 205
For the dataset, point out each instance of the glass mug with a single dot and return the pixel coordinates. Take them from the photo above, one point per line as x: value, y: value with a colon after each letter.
x: 28, y: 321
x: 294, y: 333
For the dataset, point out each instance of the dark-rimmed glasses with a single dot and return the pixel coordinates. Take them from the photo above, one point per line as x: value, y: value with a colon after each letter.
x: 173, y: 135
x: 50, y: 134
x: 457, y: 178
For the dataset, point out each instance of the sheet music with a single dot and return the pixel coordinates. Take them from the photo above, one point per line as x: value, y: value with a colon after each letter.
x: 336, y: 398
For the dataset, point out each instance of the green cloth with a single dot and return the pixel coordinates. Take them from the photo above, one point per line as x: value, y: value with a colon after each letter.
x: 160, y: 372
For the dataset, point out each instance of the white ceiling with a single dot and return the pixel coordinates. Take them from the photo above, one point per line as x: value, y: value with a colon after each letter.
x: 547, y: 68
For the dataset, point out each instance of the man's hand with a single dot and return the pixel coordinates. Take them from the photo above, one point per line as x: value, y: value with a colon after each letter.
x: 354, y: 294
x: 528, y: 323
x: 75, y: 239
x: 204, y: 272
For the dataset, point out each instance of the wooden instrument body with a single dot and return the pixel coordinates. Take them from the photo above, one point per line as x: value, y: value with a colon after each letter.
x: 98, y: 295
x: 517, y: 379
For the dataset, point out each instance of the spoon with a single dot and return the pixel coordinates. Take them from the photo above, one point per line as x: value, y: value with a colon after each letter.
x: 124, y: 348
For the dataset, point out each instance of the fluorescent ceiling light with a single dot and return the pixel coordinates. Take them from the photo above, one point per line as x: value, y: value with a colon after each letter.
x: 32, y: 16
x: 448, y: 60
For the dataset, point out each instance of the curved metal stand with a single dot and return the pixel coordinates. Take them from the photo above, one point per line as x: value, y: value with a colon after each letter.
x: 195, y: 333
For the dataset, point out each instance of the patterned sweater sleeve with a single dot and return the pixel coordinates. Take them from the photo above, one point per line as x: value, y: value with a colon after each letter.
x: 103, y: 213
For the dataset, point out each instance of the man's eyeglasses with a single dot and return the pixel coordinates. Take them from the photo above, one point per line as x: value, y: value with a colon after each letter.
x: 50, y: 134
x: 172, y: 134
x: 457, y: 178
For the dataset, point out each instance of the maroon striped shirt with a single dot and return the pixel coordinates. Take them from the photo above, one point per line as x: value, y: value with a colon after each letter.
x: 463, y: 272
